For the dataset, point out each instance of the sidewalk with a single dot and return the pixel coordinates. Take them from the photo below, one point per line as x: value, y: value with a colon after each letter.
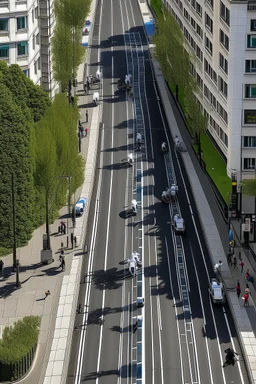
x: 35, y: 278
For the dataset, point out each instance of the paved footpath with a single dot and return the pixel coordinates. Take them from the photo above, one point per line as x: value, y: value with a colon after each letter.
x: 36, y: 278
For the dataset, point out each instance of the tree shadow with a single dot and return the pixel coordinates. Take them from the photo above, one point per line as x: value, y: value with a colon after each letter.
x: 110, y: 279
x: 97, y: 375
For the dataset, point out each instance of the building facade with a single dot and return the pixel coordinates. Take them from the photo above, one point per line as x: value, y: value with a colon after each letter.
x: 26, y: 27
x: 221, y: 34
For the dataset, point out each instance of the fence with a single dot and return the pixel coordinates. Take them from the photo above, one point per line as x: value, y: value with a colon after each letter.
x: 15, y: 371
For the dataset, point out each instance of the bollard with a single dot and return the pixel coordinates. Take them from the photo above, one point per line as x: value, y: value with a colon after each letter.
x: 67, y: 241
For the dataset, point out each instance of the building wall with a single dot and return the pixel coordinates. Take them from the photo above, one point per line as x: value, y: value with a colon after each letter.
x: 21, y: 42
x: 216, y: 32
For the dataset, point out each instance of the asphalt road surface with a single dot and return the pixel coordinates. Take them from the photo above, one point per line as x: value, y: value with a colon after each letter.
x: 183, y: 336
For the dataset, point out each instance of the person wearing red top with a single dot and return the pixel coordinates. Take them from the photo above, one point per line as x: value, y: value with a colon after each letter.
x: 246, y: 300
x: 238, y: 289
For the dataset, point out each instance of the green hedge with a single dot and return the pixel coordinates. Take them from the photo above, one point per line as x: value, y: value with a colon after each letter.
x: 19, y: 339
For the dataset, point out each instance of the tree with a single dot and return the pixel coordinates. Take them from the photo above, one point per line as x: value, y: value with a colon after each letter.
x: 249, y: 187
x: 16, y: 159
x: 72, y: 12
x: 197, y: 121
x: 29, y: 97
x: 67, y: 49
x: 171, y: 54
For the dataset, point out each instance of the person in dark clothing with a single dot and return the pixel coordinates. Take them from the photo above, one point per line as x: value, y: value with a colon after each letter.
x: 230, y: 357
x: 86, y: 116
x: 238, y: 289
x: 235, y: 262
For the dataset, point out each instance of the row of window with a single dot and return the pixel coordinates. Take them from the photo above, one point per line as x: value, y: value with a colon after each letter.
x: 21, y: 23
x: 22, y: 49
x: 216, y: 105
x: 222, y: 135
x: 197, y: 7
x: 224, y: 13
x: 193, y: 44
x: 249, y: 163
x: 194, y: 24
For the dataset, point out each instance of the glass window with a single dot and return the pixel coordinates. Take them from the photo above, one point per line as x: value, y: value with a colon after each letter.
x: 223, y: 63
x: 251, y: 41
x: 249, y: 141
x: 253, y: 25
x: 250, y: 116
x: 22, y: 48
x: 250, y: 91
x: 249, y: 163
x: 4, y: 25
x: 22, y: 22
x: 4, y: 51
x: 250, y: 65
x: 25, y: 71
x: 208, y: 22
x: 224, y: 40
x: 224, y: 13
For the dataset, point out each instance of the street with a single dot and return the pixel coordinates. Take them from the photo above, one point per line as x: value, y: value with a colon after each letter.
x: 183, y: 334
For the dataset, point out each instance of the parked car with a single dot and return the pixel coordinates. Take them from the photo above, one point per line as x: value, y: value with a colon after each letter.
x: 80, y: 205
x: 87, y: 27
x: 217, y: 292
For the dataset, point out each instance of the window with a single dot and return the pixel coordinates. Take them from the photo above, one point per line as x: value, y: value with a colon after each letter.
x: 223, y: 63
x: 210, y: 3
x: 22, y: 48
x: 39, y: 64
x: 208, y: 45
x: 221, y: 111
x: 22, y: 23
x: 251, y: 41
x: 34, y: 42
x: 250, y: 91
x: 26, y: 72
x: 186, y: 14
x: 249, y: 141
x: 224, y: 13
x: 199, y: 30
x: 223, y: 87
x: 208, y: 22
x: 250, y: 66
x: 224, y: 40
x: 249, y: 163
x: 253, y: 25
x: 250, y: 116
x: 193, y: 23
x: 4, y: 25
x: 198, y: 9
x: 33, y: 15
x: 4, y: 51
x: 37, y: 39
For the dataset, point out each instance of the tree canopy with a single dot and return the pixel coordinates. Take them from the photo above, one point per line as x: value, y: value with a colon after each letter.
x: 67, y: 50
x: 38, y: 146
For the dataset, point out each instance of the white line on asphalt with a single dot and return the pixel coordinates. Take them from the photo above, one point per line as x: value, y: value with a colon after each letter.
x: 176, y: 312
x: 109, y: 205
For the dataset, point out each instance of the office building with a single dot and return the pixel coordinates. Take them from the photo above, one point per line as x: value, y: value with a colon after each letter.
x: 221, y: 34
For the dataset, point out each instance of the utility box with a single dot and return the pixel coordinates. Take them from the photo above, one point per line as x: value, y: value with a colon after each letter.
x: 46, y: 256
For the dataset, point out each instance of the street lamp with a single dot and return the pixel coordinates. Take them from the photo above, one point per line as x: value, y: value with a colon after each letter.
x: 15, y: 261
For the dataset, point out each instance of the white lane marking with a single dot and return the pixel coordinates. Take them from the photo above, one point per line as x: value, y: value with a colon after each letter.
x: 109, y: 205
x: 176, y: 312
x: 195, y: 226
x: 201, y: 300
x: 81, y: 349
x: 233, y: 345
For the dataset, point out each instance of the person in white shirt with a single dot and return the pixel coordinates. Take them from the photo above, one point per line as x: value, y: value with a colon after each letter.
x: 98, y: 74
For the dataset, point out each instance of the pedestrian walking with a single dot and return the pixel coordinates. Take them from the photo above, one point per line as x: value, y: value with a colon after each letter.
x: 241, y: 265
x: 238, y: 289
x: 247, y: 289
x: 88, y: 84
x: 85, y: 89
x: 63, y: 264
x: 47, y: 293
x: 246, y: 300
x: 235, y: 262
x: 86, y: 116
x: 229, y: 258
x: 75, y: 240
x: 72, y: 239
x: 240, y: 256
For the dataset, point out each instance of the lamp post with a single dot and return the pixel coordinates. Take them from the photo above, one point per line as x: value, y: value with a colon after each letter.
x: 15, y: 261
